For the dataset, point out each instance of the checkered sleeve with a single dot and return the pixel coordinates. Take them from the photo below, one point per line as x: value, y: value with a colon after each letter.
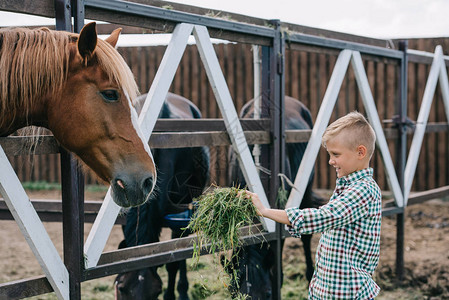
x: 343, y: 209
x: 295, y: 216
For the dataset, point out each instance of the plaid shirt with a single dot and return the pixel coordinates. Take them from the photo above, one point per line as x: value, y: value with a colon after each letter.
x: 348, y: 251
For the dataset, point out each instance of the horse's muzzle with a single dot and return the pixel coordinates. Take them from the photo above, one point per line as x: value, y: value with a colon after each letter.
x: 128, y: 190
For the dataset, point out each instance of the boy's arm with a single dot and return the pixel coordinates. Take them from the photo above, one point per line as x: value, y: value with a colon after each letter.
x: 278, y: 215
x: 342, y: 210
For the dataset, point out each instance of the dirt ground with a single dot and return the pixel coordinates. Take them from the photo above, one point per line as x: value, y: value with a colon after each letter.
x: 426, y: 255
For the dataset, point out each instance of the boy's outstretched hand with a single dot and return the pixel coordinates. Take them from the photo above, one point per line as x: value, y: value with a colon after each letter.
x: 256, y: 201
x: 278, y: 215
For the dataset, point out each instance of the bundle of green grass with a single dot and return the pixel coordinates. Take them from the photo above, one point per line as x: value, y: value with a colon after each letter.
x: 219, y: 216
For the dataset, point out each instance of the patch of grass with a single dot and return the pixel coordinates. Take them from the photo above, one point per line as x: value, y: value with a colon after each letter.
x: 196, y: 267
x: 295, y: 288
x: 102, y: 288
x: 52, y: 186
x: 200, y: 291
x: 210, y: 282
x: 94, y: 188
x: 40, y: 186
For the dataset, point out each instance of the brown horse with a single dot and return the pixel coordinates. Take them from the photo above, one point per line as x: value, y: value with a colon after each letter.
x: 81, y: 89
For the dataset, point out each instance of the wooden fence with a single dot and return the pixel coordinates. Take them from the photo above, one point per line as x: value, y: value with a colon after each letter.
x: 307, y: 76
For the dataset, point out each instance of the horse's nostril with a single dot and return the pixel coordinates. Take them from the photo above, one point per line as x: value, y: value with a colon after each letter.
x: 120, y: 183
x: 147, y: 185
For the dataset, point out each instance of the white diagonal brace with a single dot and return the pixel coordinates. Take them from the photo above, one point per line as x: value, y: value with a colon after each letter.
x: 109, y: 211
x: 229, y: 113
x: 373, y: 117
x: 32, y: 228
x: 444, y: 84
x: 421, y: 122
x: 323, y: 117
x: 164, y: 78
x: 100, y: 231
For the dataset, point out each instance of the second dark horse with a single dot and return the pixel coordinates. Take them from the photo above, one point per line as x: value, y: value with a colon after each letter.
x: 254, y: 263
x: 182, y: 175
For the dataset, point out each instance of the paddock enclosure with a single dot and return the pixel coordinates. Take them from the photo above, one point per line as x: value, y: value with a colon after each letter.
x: 306, y: 78
x: 400, y: 85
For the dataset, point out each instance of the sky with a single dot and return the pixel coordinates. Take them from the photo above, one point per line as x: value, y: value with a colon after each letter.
x: 372, y: 18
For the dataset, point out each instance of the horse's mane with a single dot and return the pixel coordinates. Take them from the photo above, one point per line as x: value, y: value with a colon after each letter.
x: 34, y: 63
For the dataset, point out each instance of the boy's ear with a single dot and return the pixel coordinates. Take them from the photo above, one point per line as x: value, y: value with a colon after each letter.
x: 362, y: 151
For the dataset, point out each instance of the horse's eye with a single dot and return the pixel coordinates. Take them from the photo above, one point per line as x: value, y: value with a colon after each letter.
x: 110, y: 95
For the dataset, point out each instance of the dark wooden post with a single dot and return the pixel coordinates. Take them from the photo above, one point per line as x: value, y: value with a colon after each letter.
x: 273, y: 82
x: 72, y: 179
x: 265, y: 111
x: 78, y: 15
x: 268, y: 158
x: 401, y: 155
x: 63, y: 15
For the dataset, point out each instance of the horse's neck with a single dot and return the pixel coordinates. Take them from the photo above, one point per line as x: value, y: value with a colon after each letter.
x: 11, y: 122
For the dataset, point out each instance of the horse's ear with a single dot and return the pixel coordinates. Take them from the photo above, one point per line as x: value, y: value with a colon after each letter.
x: 87, y: 41
x: 113, y: 38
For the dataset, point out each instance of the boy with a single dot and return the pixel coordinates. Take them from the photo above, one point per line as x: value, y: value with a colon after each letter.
x: 348, y: 251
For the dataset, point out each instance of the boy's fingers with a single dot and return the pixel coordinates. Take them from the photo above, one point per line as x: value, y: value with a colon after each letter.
x: 247, y: 194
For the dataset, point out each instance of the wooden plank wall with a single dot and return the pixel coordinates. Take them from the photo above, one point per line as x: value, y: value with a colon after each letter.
x: 307, y: 76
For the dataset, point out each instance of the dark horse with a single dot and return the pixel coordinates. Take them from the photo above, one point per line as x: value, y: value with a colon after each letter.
x: 254, y: 263
x: 182, y: 175
x: 80, y: 88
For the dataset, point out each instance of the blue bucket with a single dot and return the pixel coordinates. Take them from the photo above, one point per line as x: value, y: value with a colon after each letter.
x: 179, y: 220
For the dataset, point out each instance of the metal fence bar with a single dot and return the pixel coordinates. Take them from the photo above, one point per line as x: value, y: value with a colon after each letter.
x: 78, y: 15
x: 178, y: 17
x: 342, y: 45
x: 63, y: 15
x: 277, y: 147
x: 401, y: 155
x: 72, y: 193
x: 72, y: 182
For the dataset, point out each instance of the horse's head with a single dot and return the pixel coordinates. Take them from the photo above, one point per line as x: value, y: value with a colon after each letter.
x: 142, y: 284
x: 250, y: 271
x: 93, y: 117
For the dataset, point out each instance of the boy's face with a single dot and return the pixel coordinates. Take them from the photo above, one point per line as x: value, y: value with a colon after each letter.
x: 344, y: 159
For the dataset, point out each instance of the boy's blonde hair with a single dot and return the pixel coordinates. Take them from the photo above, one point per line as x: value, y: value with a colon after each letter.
x: 361, y: 132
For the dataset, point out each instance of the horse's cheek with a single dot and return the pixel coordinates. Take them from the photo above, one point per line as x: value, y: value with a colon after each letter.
x: 68, y: 123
